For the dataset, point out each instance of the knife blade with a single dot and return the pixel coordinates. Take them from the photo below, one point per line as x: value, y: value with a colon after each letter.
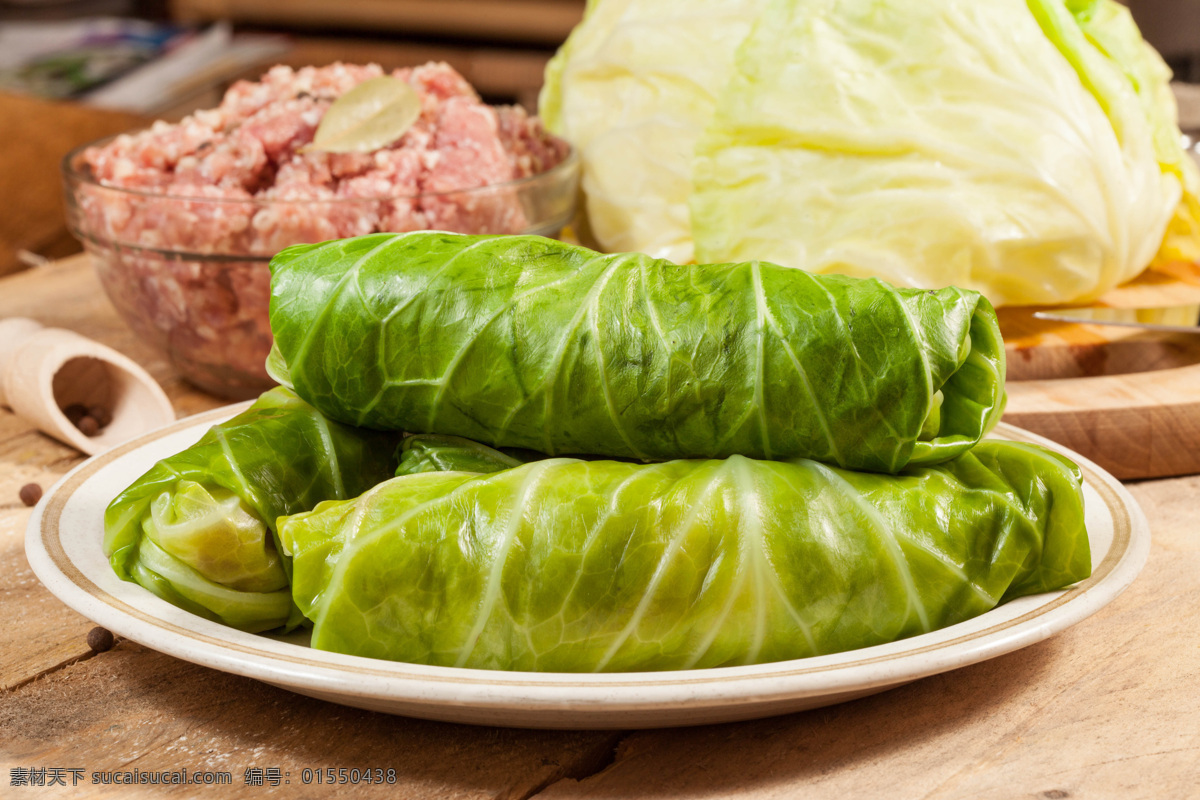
x: 1172, y: 319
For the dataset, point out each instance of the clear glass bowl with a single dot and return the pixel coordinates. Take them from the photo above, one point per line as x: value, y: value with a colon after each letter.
x: 190, y: 275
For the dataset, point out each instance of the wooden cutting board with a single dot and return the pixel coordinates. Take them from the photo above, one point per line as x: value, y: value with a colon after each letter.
x: 1127, y: 399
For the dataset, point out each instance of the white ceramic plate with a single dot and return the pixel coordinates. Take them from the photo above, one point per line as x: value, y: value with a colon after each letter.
x: 63, y: 547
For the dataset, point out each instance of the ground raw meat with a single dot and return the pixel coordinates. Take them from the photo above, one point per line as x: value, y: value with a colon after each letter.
x: 467, y: 153
x: 252, y: 147
x: 237, y: 180
x: 531, y: 149
x: 235, y: 161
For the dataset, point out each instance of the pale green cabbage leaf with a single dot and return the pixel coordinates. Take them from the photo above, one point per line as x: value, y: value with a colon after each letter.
x: 198, y: 528
x: 933, y: 143
x: 588, y: 566
x: 1027, y: 149
x: 1109, y: 26
x: 632, y: 89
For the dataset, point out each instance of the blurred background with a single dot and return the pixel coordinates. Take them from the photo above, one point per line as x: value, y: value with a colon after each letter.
x: 72, y: 71
x: 75, y: 70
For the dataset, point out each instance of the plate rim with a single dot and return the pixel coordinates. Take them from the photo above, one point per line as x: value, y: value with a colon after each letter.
x: 428, y: 689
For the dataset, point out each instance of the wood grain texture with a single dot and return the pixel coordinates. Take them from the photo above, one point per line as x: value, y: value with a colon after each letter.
x: 40, y: 634
x: 1135, y: 426
x: 1126, y: 398
x: 134, y: 709
x: 1108, y: 709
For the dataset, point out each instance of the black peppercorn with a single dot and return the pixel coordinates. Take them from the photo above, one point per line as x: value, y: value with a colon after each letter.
x: 30, y: 494
x: 100, y: 639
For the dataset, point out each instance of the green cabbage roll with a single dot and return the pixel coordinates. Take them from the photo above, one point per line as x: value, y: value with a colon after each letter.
x: 198, y: 529
x: 584, y: 566
x: 521, y: 341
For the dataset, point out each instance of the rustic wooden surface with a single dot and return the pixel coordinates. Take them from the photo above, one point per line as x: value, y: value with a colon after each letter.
x: 1126, y: 398
x: 1049, y: 349
x: 1109, y: 708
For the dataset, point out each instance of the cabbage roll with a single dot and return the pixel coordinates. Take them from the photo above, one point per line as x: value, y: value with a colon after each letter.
x: 526, y: 342
x: 198, y: 529
x: 584, y: 566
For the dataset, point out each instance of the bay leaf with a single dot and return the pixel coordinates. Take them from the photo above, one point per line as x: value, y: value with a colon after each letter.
x: 370, y: 116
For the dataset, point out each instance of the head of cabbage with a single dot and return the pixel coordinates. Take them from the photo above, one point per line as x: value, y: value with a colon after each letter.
x: 1027, y: 149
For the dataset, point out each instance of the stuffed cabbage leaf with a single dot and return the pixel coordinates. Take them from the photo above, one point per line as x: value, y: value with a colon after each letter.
x: 521, y: 341
x: 198, y: 529
x: 577, y: 566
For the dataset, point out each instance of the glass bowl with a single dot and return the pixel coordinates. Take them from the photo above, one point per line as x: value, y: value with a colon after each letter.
x: 190, y: 275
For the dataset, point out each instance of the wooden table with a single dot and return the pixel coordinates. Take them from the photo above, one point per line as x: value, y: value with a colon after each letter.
x: 1107, y: 709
